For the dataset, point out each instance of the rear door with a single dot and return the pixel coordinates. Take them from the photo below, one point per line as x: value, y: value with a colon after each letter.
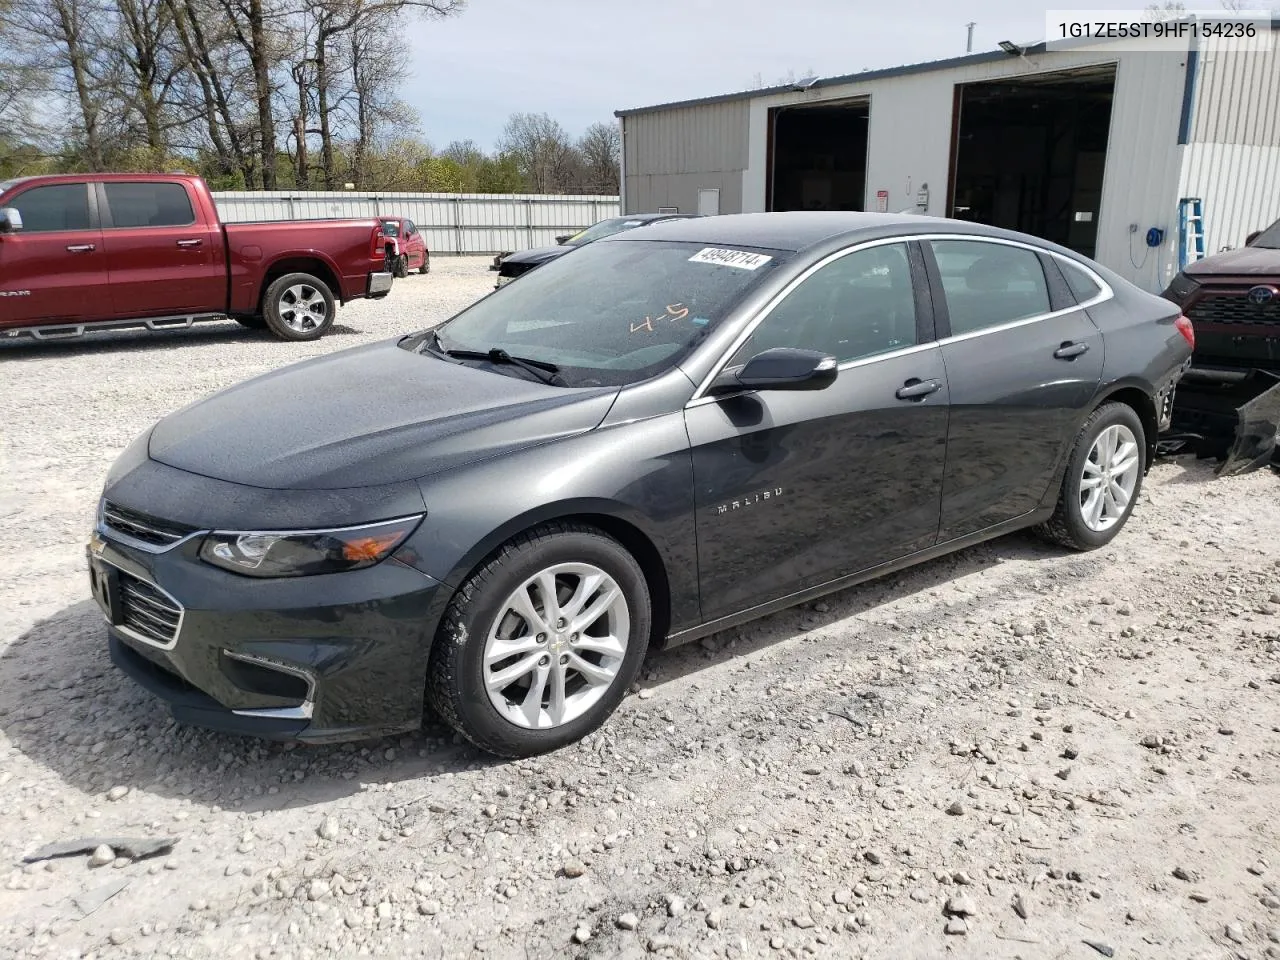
x: 794, y: 489
x: 162, y: 261
x: 1022, y: 365
x: 53, y: 270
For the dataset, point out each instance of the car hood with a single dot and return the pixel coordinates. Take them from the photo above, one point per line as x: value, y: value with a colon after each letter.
x: 1245, y: 260
x: 372, y: 415
x: 538, y: 254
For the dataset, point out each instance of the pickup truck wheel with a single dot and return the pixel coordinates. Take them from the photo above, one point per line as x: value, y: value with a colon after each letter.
x: 401, y: 269
x: 298, y: 307
x: 426, y: 264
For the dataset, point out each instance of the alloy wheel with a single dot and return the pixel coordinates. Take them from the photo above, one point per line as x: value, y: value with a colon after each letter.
x: 303, y: 307
x: 556, y: 645
x: 1109, y: 477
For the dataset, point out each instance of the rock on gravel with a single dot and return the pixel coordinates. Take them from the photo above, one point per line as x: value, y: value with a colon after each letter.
x: 101, y: 856
x: 328, y: 829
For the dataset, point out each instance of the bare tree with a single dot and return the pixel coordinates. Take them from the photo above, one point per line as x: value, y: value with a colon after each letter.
x: 541, y: 148
x: 600, y: 148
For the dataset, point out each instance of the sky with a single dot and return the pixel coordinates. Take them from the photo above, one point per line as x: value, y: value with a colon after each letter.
x: 580, y: 60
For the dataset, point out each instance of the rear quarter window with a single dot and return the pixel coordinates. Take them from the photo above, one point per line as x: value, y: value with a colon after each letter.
x: 1083, y: 287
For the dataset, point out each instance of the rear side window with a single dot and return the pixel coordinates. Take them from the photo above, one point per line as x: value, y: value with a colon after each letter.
x: 46, y: 209
x: 988, y: 284
x: 1083, y: 286
x: 149, y: 205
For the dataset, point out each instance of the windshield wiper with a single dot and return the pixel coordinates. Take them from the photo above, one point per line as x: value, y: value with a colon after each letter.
x: 546, y: 372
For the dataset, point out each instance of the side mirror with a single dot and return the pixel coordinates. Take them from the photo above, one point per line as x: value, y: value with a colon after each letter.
x: 10, y: 220
x: 563, y: 240
x: 1251, y: 237
x: 782, y: 368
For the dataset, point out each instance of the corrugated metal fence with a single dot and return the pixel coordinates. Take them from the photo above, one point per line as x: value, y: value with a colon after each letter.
x: 452, y: 223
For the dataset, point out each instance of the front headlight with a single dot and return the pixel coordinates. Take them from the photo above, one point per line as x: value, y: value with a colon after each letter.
x: 302, y: 553
x: 1180, y: 288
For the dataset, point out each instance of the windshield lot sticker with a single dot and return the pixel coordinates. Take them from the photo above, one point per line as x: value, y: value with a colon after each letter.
x: 674, y: 312
x: 730, y: 258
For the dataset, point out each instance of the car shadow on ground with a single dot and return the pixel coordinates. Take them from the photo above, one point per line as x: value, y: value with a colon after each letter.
x: 66, y: 707
x: 131, y: 341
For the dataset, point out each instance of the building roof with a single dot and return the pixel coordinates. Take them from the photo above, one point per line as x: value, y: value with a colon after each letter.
x: 866, y: 75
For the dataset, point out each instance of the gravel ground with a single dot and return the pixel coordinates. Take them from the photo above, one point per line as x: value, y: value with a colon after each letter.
x: 1008, y: 752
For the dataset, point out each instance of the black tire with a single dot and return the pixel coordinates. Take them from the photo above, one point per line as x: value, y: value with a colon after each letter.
x: 1067, y: 526
x: 281, y: 312
x: 253, y: 323
x: 401, y: 269
x: 455, y: 675
x: 426, y: 264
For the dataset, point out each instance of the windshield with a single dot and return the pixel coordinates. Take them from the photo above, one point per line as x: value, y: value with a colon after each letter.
x: 605, y: 228
x: 1269, y: 238
x: 390, y: 228
x: 613, y: 313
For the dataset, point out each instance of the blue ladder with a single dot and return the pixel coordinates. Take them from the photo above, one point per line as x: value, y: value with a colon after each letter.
x: 1190, y: 230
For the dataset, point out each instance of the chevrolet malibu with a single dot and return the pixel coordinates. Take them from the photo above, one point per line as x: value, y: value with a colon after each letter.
x: 677, y: 430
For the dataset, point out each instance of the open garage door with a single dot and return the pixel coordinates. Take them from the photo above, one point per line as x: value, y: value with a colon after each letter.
x: 818, y: 156
x: 1029, y: 152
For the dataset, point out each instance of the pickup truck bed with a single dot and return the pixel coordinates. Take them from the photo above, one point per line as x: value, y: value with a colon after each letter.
x: 95, y: 251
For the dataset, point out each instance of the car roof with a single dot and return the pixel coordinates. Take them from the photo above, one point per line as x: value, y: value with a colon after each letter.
x: 799, y: 230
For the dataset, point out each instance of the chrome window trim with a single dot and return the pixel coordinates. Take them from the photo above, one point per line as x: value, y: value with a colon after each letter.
x: 301, y: 712
x: 701, y: 397
x: 133, y: 634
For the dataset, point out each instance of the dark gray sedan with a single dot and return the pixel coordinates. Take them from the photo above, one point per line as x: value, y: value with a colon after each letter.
x: 682, y: 428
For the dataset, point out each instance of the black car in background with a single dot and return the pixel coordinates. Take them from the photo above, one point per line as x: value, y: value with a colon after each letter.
x: 513, y: 265
x: 687, y: 426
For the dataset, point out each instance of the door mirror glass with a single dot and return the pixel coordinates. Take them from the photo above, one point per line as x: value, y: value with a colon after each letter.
x: 563, y: 240
x: 780, y: 368
x: 10, y: 220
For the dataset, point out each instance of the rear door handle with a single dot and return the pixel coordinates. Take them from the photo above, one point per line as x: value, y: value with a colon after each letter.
x: 915, y: 389
x: 190, y: 243
x: 1069, y: 350
x: 81, y: 248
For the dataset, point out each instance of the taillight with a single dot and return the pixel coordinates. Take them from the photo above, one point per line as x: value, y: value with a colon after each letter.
x: 1186, y: 329
x: 375, y: 249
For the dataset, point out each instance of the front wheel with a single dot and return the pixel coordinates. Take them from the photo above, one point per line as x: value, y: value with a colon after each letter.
x: 1103, y: 479
x: 539, y: 646
x: 426, y: 264
x: 401, y: 267
x: 297, y: 306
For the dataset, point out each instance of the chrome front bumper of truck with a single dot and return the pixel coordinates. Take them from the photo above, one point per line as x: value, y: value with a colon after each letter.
x: 379, y: 284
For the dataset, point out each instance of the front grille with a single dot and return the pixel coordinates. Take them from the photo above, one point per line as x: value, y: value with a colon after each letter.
x: 147, y: 611
x: 1228, y: 309
x: 139, y: 526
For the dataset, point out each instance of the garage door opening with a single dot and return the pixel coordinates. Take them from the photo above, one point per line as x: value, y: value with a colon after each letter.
x: 819, y: 157
x: 1029, y: 153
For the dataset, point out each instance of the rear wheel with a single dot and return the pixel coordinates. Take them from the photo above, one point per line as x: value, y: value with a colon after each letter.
x: 297, y: 306
x: 539, y: 646
x: 1103, y: 479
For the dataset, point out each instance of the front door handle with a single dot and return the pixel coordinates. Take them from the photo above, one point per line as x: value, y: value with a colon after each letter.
x: 1069, y: 350
x: 916, y: 389
x: 81, y: 248
x: 190, y: 243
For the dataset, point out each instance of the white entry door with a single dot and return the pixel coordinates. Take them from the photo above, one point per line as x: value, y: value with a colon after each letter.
x: 709, y: 201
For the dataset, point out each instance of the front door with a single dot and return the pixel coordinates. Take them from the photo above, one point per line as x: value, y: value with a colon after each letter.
x: 162, y: 261
x: 1021, y: 376
x: 794, y: 489
x: 53, y: 271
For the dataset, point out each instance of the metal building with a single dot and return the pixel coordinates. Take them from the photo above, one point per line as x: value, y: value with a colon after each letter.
x: 1094, y: 147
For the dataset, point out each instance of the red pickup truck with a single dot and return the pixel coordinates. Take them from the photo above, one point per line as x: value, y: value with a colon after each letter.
x: 80, y: 252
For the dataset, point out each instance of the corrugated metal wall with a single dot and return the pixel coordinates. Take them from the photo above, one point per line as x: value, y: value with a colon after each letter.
x: 672, y: 154
x: 1233, y: 160
x: 451, y: 223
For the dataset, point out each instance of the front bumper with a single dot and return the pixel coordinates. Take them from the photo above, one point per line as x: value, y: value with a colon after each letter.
x: 379, y: 284
x: 323, y: 658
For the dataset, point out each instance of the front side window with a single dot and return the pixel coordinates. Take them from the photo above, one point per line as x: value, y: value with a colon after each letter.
x: 1269, y: 238
x: 611, y: 313
x: 857, y: 306
x: 63, y: 206
x: 605, y: 228
x: 149, y: 205
x: 988, y: 284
